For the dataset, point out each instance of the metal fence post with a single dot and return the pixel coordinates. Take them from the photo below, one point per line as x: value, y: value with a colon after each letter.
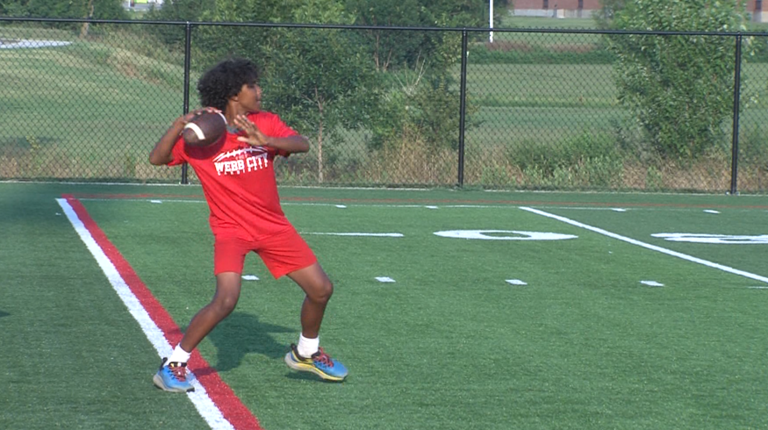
x: 187, y: 62
x: 736, y: 102
x: 462, y: 106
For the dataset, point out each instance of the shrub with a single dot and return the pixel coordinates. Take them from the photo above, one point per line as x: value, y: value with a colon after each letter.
x: 679, y: 87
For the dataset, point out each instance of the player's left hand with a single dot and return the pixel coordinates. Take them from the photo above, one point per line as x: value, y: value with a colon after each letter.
x: 254, y: 136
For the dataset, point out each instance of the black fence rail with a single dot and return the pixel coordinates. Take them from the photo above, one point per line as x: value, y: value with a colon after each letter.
x: 383, y: 106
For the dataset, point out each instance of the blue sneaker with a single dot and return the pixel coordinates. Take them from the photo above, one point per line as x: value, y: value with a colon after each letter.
x: 319, y: 363
x: 173, y: 377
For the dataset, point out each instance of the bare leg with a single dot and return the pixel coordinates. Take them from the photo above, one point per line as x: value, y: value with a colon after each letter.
x: 222, y: 304
x: 318, y: 289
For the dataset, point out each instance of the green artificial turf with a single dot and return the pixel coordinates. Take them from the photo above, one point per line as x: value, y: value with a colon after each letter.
x: 449, y: 345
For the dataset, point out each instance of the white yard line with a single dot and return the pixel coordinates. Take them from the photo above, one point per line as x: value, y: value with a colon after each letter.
x: 648, y: 245
x: 205, y: 406
x: 536, y: 211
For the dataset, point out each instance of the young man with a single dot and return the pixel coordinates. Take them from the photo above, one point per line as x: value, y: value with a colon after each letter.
x: 238, y: 180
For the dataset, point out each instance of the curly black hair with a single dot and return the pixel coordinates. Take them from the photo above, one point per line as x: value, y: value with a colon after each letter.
x: 225, y: 80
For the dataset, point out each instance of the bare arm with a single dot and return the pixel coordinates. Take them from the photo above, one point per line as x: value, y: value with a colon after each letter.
x: 290, y: 144
x: 162, y: 152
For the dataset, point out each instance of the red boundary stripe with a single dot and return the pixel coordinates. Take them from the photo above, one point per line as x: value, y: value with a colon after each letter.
x: 220, y: 393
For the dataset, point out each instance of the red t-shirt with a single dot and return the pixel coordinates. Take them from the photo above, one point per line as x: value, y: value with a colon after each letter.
x: 238, y: 180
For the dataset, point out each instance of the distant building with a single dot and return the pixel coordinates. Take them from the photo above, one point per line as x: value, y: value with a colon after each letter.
x: 556, y: 8
x: 758, y: 9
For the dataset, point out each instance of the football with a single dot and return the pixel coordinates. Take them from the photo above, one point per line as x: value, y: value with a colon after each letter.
x: 205, y: 129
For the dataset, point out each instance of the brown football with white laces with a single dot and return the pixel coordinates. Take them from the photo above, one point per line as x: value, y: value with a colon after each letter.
x: 205, y: 129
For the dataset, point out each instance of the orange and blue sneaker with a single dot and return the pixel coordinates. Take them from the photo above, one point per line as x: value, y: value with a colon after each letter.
x: 173, y: 377
x: 319, y: 363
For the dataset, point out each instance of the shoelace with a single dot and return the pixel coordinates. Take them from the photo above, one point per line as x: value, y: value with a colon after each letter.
x: 179, y: 371
x: 322, y: 357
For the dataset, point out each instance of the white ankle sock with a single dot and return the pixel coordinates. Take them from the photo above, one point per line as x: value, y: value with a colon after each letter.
x: 179, y: 355
x: 307, y: 347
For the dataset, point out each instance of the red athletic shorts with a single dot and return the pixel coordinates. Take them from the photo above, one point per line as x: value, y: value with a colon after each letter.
x: 282, y: 253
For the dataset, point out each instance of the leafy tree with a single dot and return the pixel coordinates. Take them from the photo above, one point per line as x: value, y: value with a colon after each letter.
x: 99, y: 9
x: 104, y: 9
x: 176, y: 10
x: 680, y: 88
x: 212, y: 44
x: 325, y: 81
x: 607, y: 11
x: 396, y: 48
x: 422, y: 108
x: 252, y: 10
x: 14, y: 8
x: 181, y: 10
x: 321, y: 79
x: 421, y: 105
x: 389, y: 47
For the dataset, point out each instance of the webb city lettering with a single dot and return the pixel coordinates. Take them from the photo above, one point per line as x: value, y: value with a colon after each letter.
x: 241, y: 161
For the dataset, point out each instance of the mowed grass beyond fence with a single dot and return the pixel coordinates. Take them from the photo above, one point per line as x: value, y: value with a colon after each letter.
x: 82, y: 111
x: 527, y: 310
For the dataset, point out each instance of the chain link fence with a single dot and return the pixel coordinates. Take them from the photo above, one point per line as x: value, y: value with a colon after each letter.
x: 534, y: 109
